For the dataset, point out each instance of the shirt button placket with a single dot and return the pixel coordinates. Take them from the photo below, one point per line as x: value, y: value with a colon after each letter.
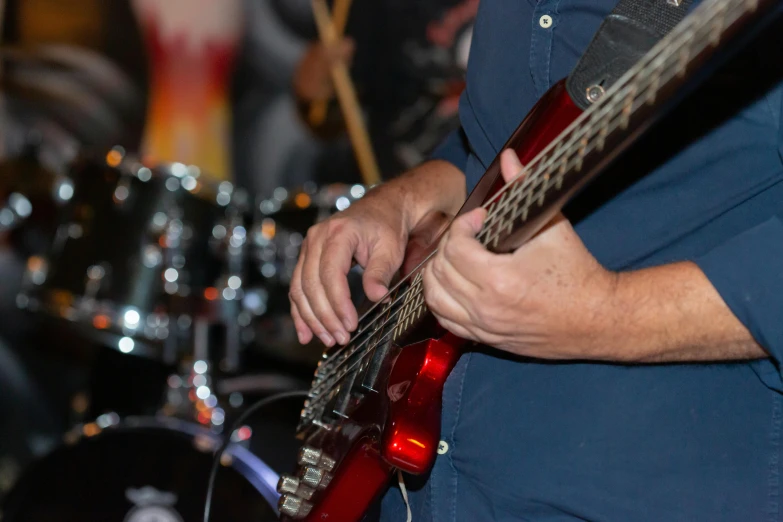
x: 541, y: 43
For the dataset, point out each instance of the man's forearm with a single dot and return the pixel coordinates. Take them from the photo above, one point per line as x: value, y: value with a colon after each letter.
x: 672, y: 313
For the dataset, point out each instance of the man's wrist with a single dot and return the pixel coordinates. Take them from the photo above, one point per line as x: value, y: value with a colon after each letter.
x: 433, y: 186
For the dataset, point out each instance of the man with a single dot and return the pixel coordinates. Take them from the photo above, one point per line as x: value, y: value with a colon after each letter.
x: 408, y: 63
x: 632, y: 372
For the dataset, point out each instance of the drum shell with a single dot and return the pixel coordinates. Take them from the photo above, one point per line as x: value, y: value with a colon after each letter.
x: 117, y: 232
x: 100, y: 478
x: 131, y: 238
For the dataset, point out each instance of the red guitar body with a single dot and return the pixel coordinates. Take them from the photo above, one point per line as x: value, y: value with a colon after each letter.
x: 398, y: 425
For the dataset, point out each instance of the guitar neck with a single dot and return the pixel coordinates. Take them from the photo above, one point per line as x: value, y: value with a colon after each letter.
x: 646, y: 92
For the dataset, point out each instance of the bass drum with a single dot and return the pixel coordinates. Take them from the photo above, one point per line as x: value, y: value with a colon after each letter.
x: 142, y: 470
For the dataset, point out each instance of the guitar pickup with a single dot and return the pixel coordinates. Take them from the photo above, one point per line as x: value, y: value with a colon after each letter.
x: 339, y: 405
x: 373, y: 368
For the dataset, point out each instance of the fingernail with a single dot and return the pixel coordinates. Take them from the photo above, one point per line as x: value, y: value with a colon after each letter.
x: 327, y: 339
x: 300, y: 336
x: 347, y: 324
x: 341, y: 338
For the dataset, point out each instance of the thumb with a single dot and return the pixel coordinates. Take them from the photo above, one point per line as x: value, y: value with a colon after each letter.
x: 469, y: 224
x: 379, y: 272
x: 510, y: 166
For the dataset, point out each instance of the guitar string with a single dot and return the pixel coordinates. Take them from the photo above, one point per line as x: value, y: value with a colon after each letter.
x: 352, y: 354
x: 536, y: 178
x: 416, y: 310
x: 362, y: 331
x: 608, y: 108
x: 590, y: 145
x: 319, y: 394
x: 608, y: 128
x: 548, y: 184
x: 687, y: 34
x: 322, y: 395
x: 567, y: 148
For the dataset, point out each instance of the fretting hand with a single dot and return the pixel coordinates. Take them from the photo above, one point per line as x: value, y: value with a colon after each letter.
x: 549, y: 299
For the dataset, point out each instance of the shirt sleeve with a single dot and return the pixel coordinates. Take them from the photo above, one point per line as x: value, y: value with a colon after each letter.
x: 748, y: 273
x: 454, y: 149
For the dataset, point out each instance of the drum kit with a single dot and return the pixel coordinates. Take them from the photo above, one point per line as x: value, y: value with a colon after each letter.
x: 160, y: 262
x: 178, y: 278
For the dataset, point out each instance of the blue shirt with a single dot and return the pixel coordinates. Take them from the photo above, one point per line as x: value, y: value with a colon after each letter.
x: 553, y: 441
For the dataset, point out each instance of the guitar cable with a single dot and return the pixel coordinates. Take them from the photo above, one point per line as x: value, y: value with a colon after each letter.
x: 261, y: 403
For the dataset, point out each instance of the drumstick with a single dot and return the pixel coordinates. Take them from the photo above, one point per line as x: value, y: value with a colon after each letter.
x: 346, y: 95
x: 2, y: 24
x: 317, y: 113
x: 340, y: 16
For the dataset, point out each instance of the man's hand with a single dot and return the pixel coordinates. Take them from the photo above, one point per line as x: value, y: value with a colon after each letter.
x: 312, y: 80
x: 374, y: 231
x: 547, y: 299
x: 551, y: 299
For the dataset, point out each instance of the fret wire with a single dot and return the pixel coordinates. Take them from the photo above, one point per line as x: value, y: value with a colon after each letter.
x: 684, y: 58
x: 613, y: 125
x: 492, y: 215
x: 655, y: 83
x: 685, y: 33
x: 716, y: 31
x: 503, y: 203
x: 542, y: 159
x: 655, y: 60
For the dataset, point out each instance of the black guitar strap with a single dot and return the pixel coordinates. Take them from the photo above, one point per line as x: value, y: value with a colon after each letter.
x: 631, y: 29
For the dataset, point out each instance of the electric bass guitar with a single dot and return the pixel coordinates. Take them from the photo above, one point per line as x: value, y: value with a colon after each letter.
x: 375, y: 404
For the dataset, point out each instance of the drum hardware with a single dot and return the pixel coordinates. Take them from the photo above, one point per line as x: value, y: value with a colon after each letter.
x: 191, y: 394
x: 14, y: 210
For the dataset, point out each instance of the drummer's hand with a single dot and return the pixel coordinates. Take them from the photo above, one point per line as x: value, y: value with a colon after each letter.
x: 312, y: 80
x: 374, y: 231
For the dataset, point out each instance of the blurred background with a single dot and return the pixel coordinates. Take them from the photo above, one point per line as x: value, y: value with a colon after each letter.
x: 160, y: 163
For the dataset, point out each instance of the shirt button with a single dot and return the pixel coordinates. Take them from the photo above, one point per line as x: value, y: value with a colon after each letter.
x: 443, y: 447
x: 545, y: 21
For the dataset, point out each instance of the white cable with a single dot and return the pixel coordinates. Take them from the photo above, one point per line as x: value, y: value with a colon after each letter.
x: 404, y: 491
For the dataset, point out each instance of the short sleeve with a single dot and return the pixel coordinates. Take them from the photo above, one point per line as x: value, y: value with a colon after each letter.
x: 747, y: 271
x: 454, y: 149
